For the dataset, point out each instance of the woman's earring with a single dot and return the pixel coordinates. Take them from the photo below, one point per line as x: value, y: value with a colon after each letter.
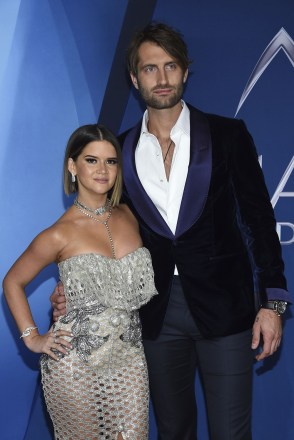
x: 73, y: 178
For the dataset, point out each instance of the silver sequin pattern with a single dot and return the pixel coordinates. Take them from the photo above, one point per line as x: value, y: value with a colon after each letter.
x: 101, y: 388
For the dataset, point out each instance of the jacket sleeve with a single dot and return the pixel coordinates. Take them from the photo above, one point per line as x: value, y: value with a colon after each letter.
x: 256, y: 216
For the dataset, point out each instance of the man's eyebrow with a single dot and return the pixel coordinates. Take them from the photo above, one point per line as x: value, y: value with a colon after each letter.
x: 149, y: 65
x: 155, y: 65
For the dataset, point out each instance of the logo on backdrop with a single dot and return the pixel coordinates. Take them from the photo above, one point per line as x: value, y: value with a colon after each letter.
x: 281, y: 41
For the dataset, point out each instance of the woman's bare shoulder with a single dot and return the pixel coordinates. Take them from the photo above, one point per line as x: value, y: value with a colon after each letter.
x: 125, y: 211
x: 57, y: 233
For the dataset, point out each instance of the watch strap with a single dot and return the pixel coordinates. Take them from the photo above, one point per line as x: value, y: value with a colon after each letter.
x: 275, y: 306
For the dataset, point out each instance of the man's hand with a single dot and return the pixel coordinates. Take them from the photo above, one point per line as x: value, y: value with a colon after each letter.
x: 268, y: 325
x: 58, y: 301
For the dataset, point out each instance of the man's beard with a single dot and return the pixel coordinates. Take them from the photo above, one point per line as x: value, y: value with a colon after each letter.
x: 161, y: 102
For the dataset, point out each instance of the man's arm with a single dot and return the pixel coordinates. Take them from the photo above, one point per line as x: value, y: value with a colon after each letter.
x: 257, y: 214
x: 58, y: 301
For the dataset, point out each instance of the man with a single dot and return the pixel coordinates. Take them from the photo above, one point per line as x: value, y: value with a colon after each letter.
x: 194, y: 182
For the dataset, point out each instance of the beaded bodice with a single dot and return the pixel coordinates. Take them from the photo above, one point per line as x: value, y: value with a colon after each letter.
x: 103, y: 296
x: 125, y: 283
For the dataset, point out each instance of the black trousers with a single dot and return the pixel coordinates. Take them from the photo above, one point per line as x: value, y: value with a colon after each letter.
x: 225, y: 368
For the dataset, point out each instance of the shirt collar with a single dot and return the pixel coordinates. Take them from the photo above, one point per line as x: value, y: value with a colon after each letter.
x: 182, y: 124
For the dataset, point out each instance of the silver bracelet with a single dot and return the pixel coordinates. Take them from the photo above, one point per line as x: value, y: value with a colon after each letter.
x: 27, y: 332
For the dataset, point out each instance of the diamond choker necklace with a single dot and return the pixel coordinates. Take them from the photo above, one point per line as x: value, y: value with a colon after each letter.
x: 99, y: 211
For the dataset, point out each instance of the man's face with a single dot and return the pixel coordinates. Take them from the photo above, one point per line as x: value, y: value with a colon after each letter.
x: 159, y: 78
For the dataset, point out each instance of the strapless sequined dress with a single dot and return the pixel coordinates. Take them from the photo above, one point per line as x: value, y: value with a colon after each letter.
x: 101, y: 388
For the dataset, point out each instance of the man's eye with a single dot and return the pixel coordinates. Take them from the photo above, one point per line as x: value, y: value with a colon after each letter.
x: 150, y: 68
x: 171, y: 66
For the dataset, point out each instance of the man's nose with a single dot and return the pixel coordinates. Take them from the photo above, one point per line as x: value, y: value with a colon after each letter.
x: 162, y: 76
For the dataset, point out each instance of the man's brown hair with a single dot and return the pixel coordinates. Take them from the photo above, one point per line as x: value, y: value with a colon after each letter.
x: 164, y: 36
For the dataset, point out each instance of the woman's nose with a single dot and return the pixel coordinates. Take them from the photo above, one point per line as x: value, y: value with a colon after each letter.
x: 102, y: 167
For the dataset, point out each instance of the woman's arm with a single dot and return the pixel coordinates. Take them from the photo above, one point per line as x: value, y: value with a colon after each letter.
x: 43, y: 250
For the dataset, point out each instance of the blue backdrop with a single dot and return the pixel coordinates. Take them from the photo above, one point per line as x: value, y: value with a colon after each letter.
x: 62, y: 65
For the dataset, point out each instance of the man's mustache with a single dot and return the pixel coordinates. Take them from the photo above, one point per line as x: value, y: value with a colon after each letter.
x: 162, y: 87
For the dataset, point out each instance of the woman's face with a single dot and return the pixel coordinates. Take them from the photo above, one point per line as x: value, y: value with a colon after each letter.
x: 95, y: 168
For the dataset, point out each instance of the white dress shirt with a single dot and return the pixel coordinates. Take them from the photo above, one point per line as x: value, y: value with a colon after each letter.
x: 165, y: 194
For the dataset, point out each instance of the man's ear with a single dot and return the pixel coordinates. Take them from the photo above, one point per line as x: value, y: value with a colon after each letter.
x: 185, y: 76
x: 134, y: 80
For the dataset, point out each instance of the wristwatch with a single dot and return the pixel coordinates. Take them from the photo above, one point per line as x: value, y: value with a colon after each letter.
x: 276, y: 305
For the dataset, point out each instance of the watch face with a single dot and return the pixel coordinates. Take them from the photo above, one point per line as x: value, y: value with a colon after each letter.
x: 281, y: 306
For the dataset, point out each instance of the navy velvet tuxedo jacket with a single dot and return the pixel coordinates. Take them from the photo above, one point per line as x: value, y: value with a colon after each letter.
x: 225, y: 242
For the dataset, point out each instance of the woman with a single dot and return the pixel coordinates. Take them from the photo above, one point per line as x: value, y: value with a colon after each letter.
x: 93, y: 368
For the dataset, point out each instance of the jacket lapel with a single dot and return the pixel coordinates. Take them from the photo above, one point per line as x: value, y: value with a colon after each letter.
x: 199, y: 172
x: 140, y: 199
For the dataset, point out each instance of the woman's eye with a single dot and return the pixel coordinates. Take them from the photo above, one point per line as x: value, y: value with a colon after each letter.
x: 90, y: 160
x: 111, y: 161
